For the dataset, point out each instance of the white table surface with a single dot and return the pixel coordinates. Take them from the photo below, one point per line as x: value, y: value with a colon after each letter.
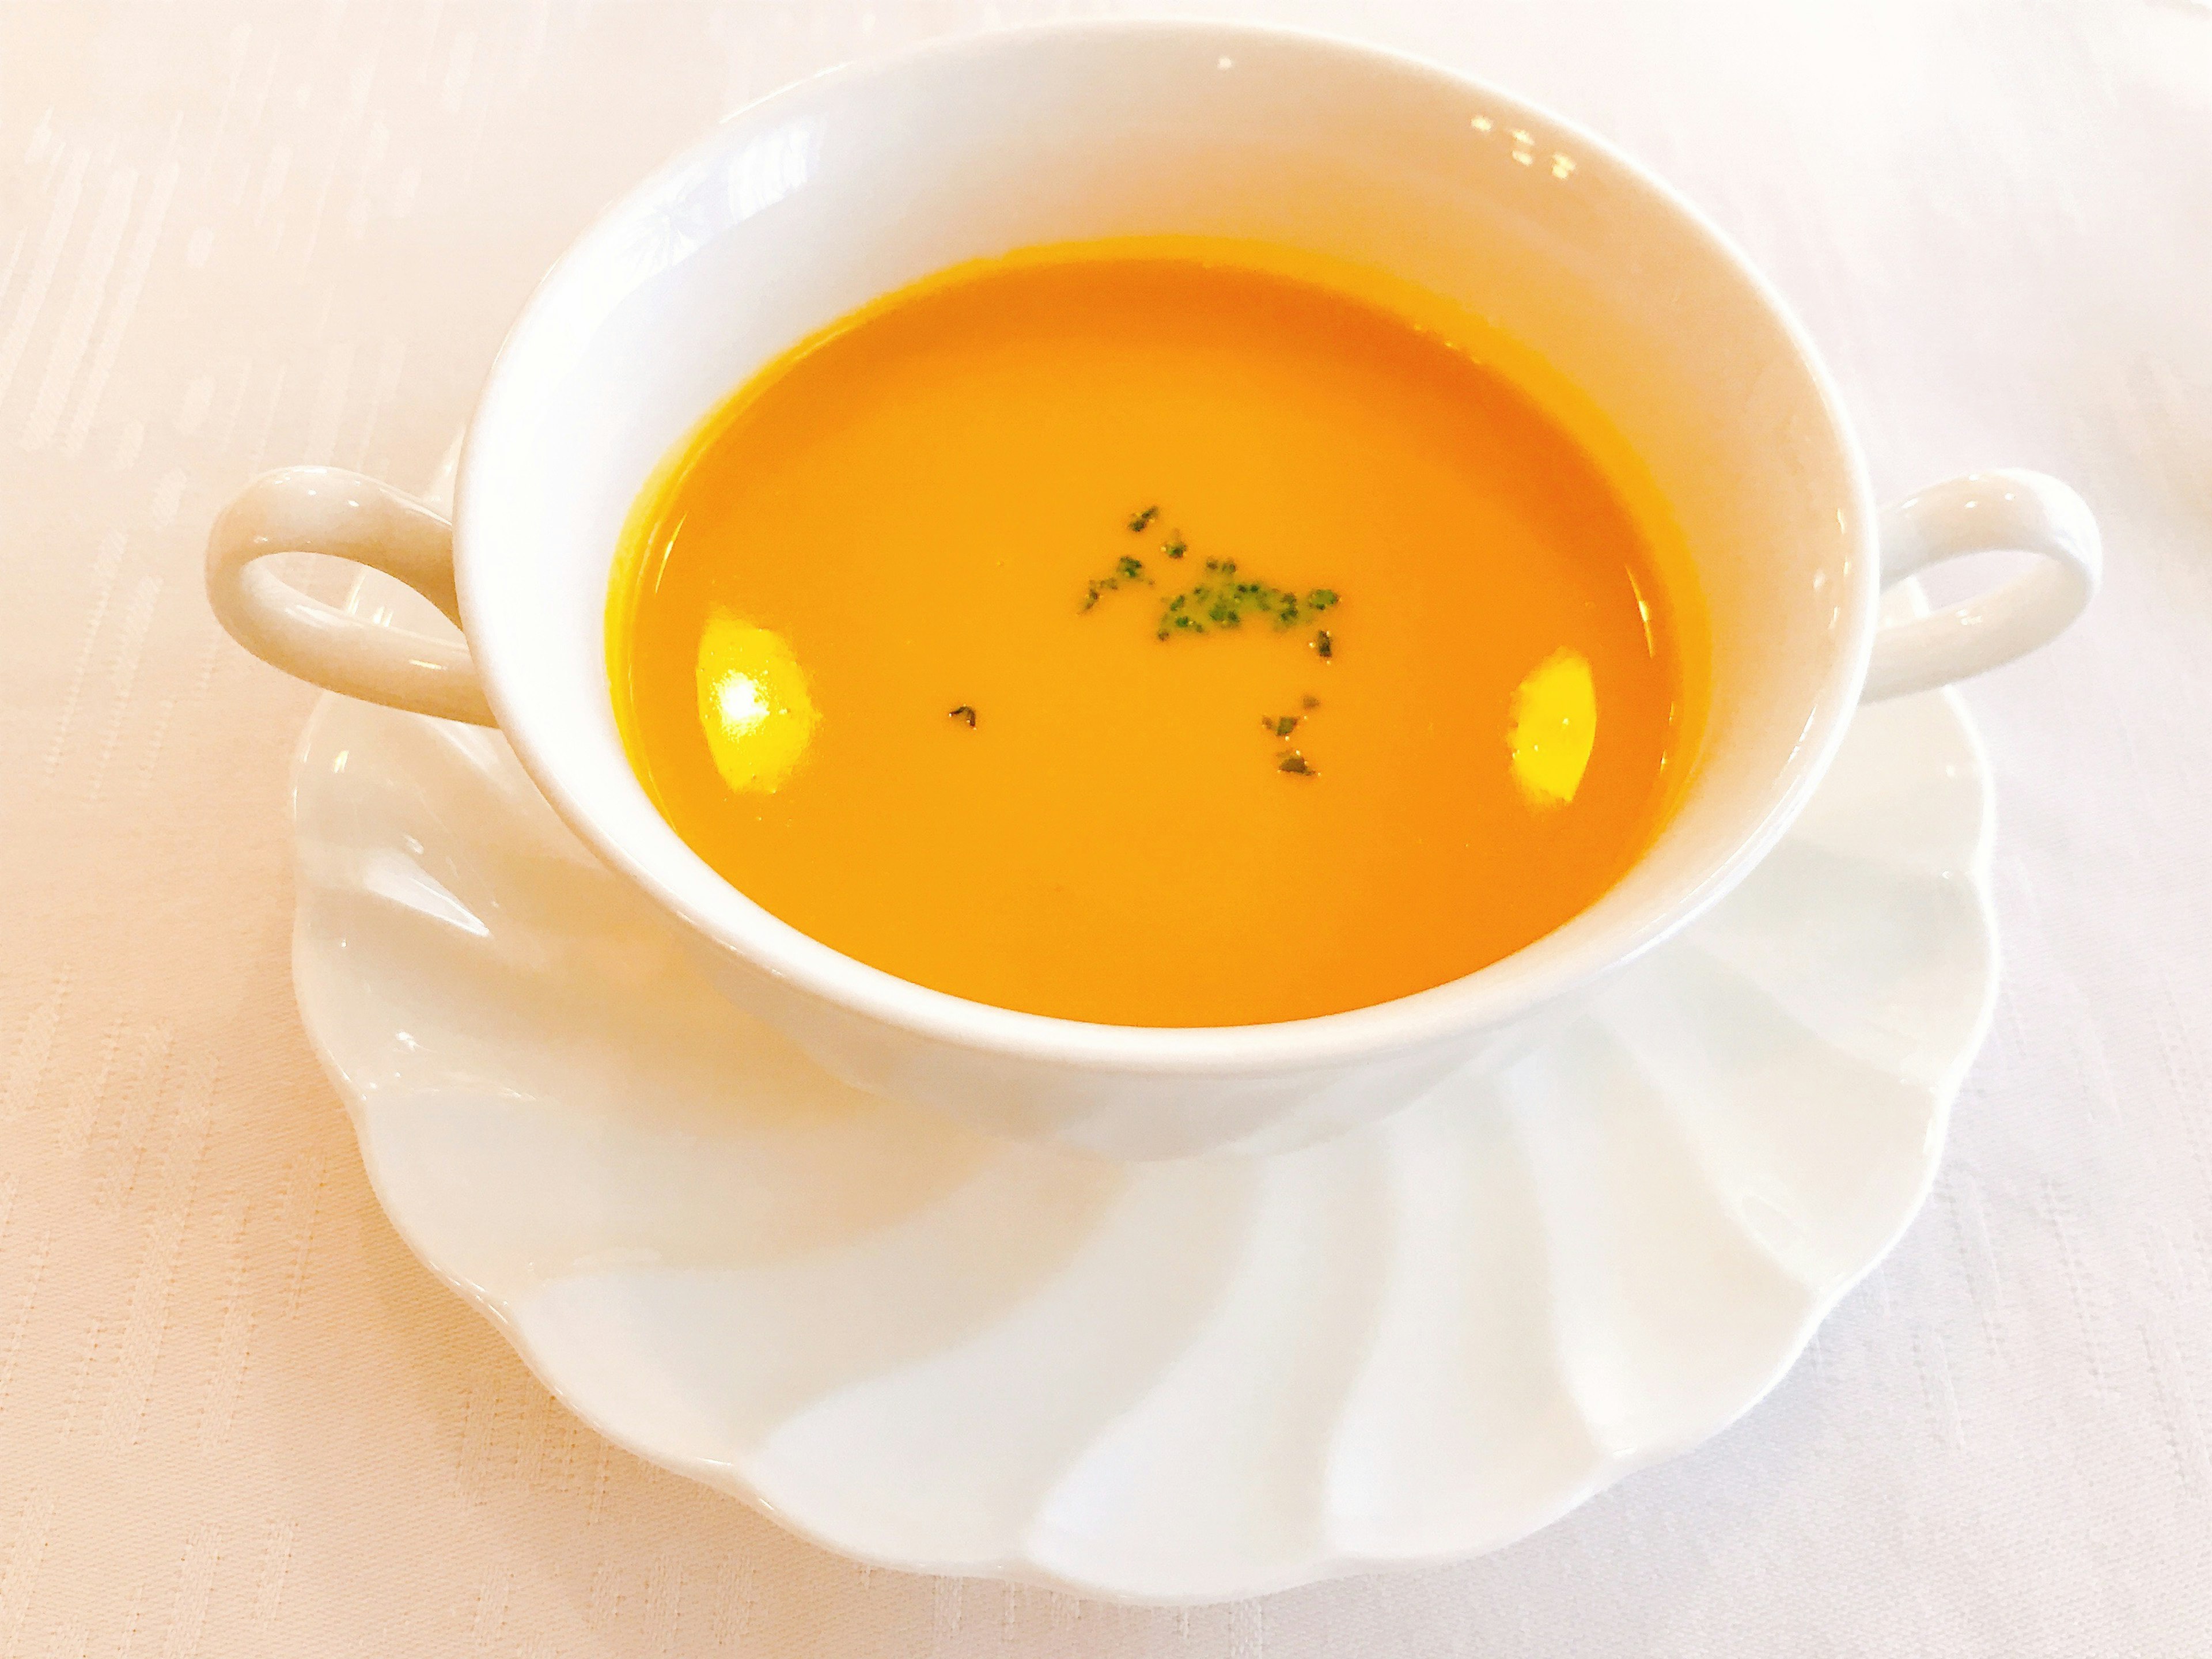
x: 237, y: 1417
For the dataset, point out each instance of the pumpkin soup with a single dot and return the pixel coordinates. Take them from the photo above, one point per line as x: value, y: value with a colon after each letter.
x: 1149, y: 637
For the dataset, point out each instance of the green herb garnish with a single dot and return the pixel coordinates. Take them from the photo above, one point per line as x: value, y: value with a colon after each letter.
x: 1127, y: 570
x: 1219, y: 600
x: 1222, y: 598
x: 963, y: 713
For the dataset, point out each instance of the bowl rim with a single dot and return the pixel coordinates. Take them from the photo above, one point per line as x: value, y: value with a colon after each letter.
x: 1496, y: 994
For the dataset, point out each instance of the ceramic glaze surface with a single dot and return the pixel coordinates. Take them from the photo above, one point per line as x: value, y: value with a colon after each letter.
x: 1185, y: 1380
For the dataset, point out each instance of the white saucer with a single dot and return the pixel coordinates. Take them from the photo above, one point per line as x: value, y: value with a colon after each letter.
x: 1167, y: 1383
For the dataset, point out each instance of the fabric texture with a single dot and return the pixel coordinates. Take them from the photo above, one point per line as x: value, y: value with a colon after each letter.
x: 237, y: 1417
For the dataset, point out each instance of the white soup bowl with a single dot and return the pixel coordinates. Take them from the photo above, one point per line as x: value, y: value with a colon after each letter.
x: 832, y: 192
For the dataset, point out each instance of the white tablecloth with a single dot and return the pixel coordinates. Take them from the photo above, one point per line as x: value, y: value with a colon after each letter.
x: 237, y: 1417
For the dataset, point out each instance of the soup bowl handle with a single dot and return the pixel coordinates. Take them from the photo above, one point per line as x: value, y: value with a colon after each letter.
x: 325, y: 510
x: 1999, y: 511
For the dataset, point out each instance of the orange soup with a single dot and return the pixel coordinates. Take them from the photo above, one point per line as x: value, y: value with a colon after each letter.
x: 1152, y: 639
